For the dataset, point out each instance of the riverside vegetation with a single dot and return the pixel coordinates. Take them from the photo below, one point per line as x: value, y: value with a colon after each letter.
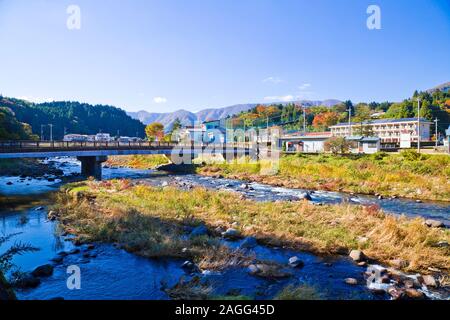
x: 137, y: 161
x: 408, y: 174
x: 155, y: 221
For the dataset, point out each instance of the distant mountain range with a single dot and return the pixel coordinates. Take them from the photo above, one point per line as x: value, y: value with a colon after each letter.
x: 445, y: 87
x: 188, y: 118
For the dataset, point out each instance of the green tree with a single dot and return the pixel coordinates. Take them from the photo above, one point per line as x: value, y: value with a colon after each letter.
x: 362, y: 112
x: 176, y: 124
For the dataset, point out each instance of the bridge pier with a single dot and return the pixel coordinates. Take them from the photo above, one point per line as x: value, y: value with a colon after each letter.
x: 91, y: 166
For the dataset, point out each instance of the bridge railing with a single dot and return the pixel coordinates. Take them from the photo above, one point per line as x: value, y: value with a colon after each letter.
x: 24, y: 146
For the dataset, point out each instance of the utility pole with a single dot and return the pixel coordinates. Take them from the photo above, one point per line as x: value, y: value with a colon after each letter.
x: 349, y: 121
x: 418, y: 125
x: 304, y: 119
x: 42, y: 132
x: 51, y: 131
x: 436, y: 131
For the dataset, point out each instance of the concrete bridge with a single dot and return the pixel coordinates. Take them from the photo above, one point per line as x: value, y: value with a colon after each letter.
x: 93, y: 154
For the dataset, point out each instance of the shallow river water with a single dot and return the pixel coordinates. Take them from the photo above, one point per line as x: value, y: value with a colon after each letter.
x: 108, y: 272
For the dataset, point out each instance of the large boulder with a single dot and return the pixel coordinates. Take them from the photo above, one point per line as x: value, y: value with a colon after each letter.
x: 429, y: 281
x: 357, y: 255
x: 43, y: 271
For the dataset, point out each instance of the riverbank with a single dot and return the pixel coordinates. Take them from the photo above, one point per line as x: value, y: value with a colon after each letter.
x: 142, y: 162
x: 406, y: 175
x: 153, y: 222
x: 27, y: 168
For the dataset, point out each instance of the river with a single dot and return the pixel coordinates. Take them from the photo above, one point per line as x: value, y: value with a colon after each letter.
x: 108, y: 272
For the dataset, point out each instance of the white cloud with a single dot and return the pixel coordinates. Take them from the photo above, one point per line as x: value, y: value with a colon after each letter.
x: 36, y: 99
x: 159, y: 100
x: 274, y: 80
x: 304, y: 86
x: 285, y: 98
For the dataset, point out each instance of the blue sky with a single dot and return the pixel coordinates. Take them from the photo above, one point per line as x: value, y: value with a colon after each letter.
x: 163, y: 55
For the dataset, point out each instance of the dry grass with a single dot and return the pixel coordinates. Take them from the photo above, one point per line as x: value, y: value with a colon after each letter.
x: 150, y: 220
x: 137, y: 161
x: 424, y: 177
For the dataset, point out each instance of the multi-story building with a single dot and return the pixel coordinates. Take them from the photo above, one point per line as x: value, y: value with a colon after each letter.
x: 388, y: 130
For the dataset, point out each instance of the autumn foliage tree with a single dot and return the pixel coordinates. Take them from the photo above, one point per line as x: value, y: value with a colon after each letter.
x: 155, y: 131
x: 325, y: 119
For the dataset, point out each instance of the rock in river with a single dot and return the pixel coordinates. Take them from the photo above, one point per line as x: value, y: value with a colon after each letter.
x: 27, y: 281
x: 434, y: 223
x: 295, y: 262
x: 305, y: 196
x: 429, y: 281
x: 357, y: 255
x: 57, y: 259
x: 52, y: 215
x: 268, y: 271
x: 351, y: 281
x: 396, y: 293
x: 414, y: 293
x: 43, y: 271
x: 189, y: 266
x: 230, y: 233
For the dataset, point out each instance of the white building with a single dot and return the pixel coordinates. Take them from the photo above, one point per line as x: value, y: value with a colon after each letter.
x: 388, y: 130
x: 447, y: 140
x: 103, y: 137
x: 207, y: 132
x: 311, y: 142
x: 366, y: 145
x: 75, y: 137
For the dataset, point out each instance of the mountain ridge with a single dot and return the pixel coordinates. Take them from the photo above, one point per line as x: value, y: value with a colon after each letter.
x: 188, y: 117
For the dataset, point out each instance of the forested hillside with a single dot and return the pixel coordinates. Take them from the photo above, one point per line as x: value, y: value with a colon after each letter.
x: 73, y: 117
x: 11, y: 129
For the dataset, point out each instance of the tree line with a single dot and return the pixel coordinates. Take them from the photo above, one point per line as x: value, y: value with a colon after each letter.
x: 66, y: 117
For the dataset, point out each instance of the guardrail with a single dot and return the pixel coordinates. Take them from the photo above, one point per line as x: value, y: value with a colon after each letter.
x: 30, y: 146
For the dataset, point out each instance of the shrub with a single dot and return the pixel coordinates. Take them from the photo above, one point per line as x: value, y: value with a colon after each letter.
x: 379, y: 155
x: 410, y: 155
x: 337, y: 145
x: 302, y: 292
